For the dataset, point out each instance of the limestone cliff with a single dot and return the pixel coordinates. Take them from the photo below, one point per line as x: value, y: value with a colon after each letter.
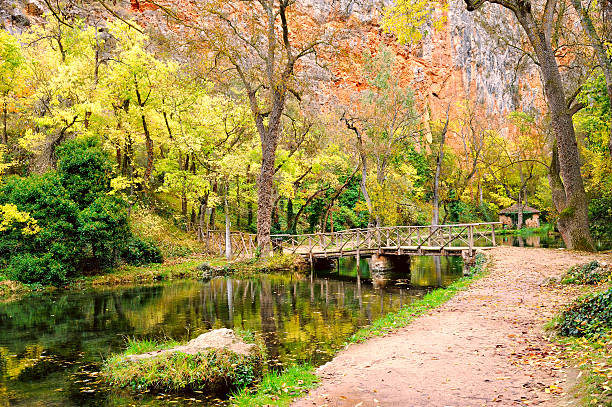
x: 461, y: 61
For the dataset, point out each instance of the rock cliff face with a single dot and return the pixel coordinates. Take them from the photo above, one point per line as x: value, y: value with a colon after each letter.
x: 461, y: 61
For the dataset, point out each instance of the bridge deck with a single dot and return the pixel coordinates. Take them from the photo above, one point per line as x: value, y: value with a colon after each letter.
x: 407, y: 240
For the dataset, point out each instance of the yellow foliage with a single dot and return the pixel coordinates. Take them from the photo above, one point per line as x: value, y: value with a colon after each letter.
x: 12, y: 218
x: 408, y: 20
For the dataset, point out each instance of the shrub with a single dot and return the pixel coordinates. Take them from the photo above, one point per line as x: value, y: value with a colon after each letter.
x: 104, y: 228
x: 84, y: 169
x: 215, y: 371
x: 30, y: 269
x: 589, y: 316
x: 588, y: 273
x: 78, y: 224
x: 139, y: 251
x: 600, y: 220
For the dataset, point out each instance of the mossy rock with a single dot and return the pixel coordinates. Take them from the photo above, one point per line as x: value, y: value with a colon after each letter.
x: 216, y: 363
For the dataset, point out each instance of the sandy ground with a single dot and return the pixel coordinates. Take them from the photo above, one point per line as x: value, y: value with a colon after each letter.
x: 487, y: 346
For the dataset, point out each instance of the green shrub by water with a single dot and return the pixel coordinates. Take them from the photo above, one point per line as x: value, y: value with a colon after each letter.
x: 82, y: 226
x: 589, y: 316
x: 141, y: 251
x: 214, y: 371
x: 588, y: 273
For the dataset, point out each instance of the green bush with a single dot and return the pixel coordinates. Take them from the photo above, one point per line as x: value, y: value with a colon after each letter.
x: 589, y: 316
x: 81, y: 225
x: 30, y: 269
x: 84, y: 170
x: 138, y: 252
x: 589, y: 273
x: 600, y: 220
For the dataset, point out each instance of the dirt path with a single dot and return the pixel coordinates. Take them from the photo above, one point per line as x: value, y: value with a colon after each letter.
x: 484, y: 347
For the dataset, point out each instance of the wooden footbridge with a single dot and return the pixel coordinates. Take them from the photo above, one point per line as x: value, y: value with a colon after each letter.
x: 434, y: 240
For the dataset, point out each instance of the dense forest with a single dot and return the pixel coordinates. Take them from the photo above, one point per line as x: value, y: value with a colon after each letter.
x: 117, y: 126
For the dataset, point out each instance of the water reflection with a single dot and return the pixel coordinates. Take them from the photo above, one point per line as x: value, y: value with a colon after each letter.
x: 545, y: 240
x: 51, y: 345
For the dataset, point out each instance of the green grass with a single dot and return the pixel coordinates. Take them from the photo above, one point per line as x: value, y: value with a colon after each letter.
x: 214, y: 371
x: 594, y: 359
x: 525, y: 232
x: 186, y: 269
x: 278, y: 389
x: 136, y: 346
x: 405, y: 315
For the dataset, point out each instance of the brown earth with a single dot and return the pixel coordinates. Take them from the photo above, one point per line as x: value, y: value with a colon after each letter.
x: 486, y: 346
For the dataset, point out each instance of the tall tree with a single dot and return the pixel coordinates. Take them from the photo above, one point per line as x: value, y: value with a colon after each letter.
x: 603, y: 55
x: 259, y: 43
x: 565, y: 178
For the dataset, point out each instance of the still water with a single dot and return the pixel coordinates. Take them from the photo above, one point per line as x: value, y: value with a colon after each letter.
x: 51, y: 344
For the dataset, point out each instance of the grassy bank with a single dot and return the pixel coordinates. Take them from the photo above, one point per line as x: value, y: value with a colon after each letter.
x: 279, y: 389
x: 174, y: 269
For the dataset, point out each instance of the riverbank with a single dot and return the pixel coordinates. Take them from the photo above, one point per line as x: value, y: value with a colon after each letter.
x: 486, y: 346
x: 274, y: 388
x: 195, y: 267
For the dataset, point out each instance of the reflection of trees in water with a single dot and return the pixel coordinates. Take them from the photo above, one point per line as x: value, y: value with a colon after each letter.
x: 302, y: 319
x: 268, y: 325
x: 438, y: 266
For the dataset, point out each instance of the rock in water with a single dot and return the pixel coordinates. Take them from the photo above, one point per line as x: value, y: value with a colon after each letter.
x: 216, y: 362
x: 219, y: 339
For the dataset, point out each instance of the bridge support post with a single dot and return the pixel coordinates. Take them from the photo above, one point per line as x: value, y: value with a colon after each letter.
x: 388, y: 262
x: 469, y: 259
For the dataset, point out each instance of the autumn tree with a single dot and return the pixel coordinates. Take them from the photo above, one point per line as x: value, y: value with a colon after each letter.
x: 256, y: 44
x: 11, y: 63
x: 514, y: 163
x: 383, y: 120
x: 565, y: 178
x: 599, y: 38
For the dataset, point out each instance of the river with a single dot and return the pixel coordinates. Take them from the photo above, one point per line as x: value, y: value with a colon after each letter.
x: 52, y: 344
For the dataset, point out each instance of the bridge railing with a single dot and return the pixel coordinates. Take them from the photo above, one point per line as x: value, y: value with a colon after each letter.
x: 469, y: 235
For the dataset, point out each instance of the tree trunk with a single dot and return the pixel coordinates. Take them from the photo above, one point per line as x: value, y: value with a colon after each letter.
x: 237, y: 202
x: 205, y: 222
x: 147, y: 134
x: 519, y: 221
x: 364, y: 176
x: 213, y: 212
x: 264, y: 194
x: 573, y: 210
x: 289, y: 215
x: 435, y: 219
x: 184, y: 189
x: 228, y: 233
x: 4, y: 119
